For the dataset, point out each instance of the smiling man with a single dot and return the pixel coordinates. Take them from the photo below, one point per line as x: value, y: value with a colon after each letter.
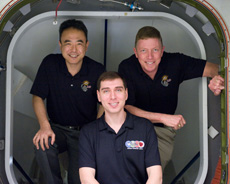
x: 154, y: 77
x: 118, y: 148
x: 68, y: 83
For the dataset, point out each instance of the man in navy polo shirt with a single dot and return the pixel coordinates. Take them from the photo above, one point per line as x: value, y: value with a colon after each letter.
x: 68, y: 83
x: 118, y: 148
x: 153, y: 78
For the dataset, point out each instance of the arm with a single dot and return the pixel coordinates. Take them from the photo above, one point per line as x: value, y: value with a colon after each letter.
x: 45, y: 130
x: 87, y: 175
x: 216, y: 85
x: 169, y: 120
x: 100, y: 111
x: 154, y: 174
x: 210, y: 70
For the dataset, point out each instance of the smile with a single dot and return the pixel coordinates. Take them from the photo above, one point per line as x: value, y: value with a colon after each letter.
x: 113, y: 104
x: 73, y: 55
x: 150, y: 63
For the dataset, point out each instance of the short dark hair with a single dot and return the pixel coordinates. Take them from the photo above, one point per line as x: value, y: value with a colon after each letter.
x: 110, y: 75
x: 75, y: 24
x: 148, y: 32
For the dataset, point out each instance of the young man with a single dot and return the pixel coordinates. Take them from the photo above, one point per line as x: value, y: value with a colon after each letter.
x: 153, y: 78
x: 68, y: 83
x: 119, y: 147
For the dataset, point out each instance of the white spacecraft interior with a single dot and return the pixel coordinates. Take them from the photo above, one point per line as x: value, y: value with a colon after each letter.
x: 199, y: 28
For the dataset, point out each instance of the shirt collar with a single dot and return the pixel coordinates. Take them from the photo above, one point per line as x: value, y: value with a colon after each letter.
x: 63, y: 67
x: 127, y: 124
x: 159, y: 70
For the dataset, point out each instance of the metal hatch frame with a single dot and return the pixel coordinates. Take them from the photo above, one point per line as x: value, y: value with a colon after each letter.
x: 223, y: 37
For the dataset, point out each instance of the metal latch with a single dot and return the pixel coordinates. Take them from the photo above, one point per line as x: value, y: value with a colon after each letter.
x: 2, y: 68
x: 2, y: 145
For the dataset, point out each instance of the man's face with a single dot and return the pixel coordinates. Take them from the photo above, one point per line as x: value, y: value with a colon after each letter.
x: 149, y: 52
x: 112, y: 94
x: 73, y: 46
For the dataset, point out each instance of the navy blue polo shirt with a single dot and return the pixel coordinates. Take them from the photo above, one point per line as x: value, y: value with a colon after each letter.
x: 71, y: 100
x: 120, y: 158
x: 161, y: 93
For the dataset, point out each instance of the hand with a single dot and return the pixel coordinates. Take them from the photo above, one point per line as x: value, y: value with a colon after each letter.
x: 216, y: 85
x: 174, y: 121
x: 42, y: 137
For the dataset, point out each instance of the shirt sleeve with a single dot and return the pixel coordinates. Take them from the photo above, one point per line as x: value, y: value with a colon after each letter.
x: 40, y: 86
x: 152, y: 156
x: 191, y: 67
x: 86, y: 151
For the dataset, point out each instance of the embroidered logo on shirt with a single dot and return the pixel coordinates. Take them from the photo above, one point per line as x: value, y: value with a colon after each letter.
x: 165, y: 81
x: 137, y: 145
x: 85, y: 86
